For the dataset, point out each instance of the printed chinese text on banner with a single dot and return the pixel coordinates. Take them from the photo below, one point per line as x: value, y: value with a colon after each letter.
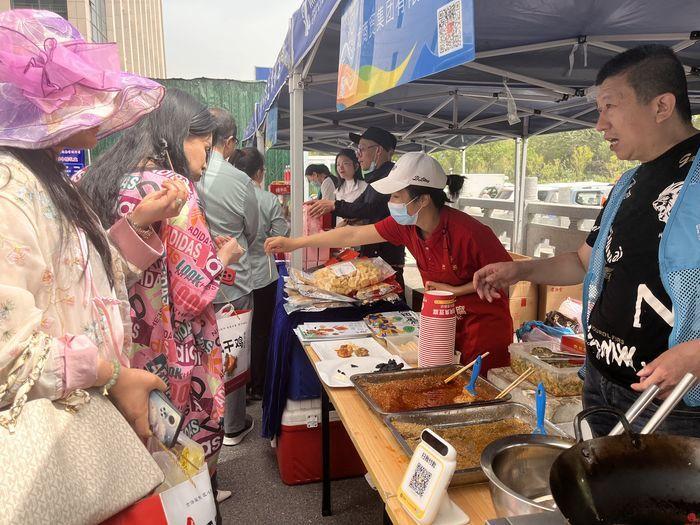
x: 386, y: 43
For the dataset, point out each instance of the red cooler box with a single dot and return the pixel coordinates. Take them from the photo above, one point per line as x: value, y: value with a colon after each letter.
x: 299, y: 445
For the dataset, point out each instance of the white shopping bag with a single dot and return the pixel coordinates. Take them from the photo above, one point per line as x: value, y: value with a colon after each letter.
x: 234, y: 334
x: 190, y: 502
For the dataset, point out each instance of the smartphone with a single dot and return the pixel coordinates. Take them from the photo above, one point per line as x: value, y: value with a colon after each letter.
x: 164, y: 419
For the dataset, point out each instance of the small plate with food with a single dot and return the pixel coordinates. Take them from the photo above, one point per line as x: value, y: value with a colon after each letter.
x: 337, y: 372
x: 349, y: 348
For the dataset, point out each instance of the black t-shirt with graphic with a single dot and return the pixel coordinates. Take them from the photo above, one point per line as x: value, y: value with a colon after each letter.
x: 631, y: 320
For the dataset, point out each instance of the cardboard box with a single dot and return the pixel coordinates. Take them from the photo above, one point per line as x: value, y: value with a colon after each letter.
x: 551, y: 297
x: 524, y: 297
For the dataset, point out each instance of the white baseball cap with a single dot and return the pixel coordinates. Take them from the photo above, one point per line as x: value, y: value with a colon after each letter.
x: 412, y: 169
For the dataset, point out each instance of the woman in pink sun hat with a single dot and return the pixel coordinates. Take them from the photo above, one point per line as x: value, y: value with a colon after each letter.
x: 62, y: 284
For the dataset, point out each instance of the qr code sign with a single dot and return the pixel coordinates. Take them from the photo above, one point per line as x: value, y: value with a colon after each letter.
x: 449, y: 20
x: 420, y: 480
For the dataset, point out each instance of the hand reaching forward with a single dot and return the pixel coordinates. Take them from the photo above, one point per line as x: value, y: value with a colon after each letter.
x: 229, y: 251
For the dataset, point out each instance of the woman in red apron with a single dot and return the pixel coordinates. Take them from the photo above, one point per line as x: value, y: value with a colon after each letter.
x: 481, y: 326
x: 449, y: 247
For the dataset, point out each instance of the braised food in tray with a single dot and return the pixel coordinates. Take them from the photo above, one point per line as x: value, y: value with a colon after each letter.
x: 414, y: 393
x: 469, y: 440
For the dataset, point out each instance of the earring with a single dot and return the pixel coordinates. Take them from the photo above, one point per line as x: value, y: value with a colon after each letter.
x: 164, y: 154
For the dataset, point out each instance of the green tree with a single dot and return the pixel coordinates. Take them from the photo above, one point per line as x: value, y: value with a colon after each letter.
x: 580, y: 159
x: 450, y: 160
x: 570, y: 156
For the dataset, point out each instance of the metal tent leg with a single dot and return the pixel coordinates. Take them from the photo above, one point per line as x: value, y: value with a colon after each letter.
x: 325, y: 454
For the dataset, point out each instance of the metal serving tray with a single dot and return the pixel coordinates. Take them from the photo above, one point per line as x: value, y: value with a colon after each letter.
x: 463, y: 417
x: 360, y: 380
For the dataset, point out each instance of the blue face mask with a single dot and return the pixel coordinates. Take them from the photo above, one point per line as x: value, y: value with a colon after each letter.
x: 400, y: 213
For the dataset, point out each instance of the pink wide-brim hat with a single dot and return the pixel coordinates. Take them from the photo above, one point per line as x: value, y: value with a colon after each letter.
x: 54, y: 84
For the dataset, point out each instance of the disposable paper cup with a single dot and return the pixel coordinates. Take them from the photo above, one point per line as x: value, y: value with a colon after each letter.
x: 438, y: 304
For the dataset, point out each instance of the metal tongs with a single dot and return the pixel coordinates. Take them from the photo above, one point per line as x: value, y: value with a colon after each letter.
x: 645, y: 399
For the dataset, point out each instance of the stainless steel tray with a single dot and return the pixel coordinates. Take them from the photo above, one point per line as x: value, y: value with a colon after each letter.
x: 360, y: 380
x: 463, y: 417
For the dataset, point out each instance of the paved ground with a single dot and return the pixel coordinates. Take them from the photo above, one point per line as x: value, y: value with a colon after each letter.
x: 260, y: 497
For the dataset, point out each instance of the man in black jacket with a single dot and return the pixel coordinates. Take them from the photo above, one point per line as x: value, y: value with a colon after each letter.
x: 374, y: 149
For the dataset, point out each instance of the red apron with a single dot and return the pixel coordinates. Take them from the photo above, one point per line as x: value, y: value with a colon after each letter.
x: 481, y: 326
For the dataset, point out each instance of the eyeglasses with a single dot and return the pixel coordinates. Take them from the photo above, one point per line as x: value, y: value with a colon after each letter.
x: 360, y: 149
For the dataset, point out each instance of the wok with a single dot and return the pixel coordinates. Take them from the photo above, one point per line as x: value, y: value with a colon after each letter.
x: 628, y: 478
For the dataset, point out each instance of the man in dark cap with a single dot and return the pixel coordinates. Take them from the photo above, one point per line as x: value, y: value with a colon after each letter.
x: 374, y: 149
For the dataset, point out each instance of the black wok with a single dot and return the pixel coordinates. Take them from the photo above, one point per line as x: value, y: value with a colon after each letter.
x: 627, y: 479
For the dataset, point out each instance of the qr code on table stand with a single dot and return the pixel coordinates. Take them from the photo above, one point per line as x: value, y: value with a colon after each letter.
x: 420, y: 480
x: 449, y: 20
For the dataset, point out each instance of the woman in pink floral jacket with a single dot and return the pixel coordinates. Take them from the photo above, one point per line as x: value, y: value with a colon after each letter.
x: 61, y: 283
x: 174, y: 325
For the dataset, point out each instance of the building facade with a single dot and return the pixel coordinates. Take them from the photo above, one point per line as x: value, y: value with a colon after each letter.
x: 135, y: 25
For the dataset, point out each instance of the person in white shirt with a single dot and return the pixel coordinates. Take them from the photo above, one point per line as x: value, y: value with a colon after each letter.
x: 320, y: 175
x: 351, y: 183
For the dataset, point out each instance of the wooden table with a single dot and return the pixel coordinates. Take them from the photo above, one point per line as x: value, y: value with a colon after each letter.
x: 384, y: 458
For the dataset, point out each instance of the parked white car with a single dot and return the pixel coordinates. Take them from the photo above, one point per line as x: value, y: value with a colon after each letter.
x: 572, y: 193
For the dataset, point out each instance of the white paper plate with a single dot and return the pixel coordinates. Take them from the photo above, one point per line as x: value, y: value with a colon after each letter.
x: 326, y: 350
x: 330, y: 370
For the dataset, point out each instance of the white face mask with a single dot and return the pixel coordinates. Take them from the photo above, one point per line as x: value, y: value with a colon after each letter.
x: 373, y: 164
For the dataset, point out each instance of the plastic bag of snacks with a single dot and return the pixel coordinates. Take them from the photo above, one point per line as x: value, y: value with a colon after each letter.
x: 298, y: 283
x: 179, y: 463
x: 297, y: 302
x: 376, y: 291
x: 347, y: 277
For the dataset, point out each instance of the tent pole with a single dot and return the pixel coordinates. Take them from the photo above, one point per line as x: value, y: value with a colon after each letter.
x: 260, y: 140
x: 296, y: 150
x: 522, y: 234
x: 430, y: 115
x: 486, y: 105
x: 511, y: 75
x: 519, y: 219
x: 576, y: 115
x: 464, y: 161
x: 517, y: 188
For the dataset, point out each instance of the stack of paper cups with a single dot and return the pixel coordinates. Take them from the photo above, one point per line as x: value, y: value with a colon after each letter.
x: 436, y: 333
